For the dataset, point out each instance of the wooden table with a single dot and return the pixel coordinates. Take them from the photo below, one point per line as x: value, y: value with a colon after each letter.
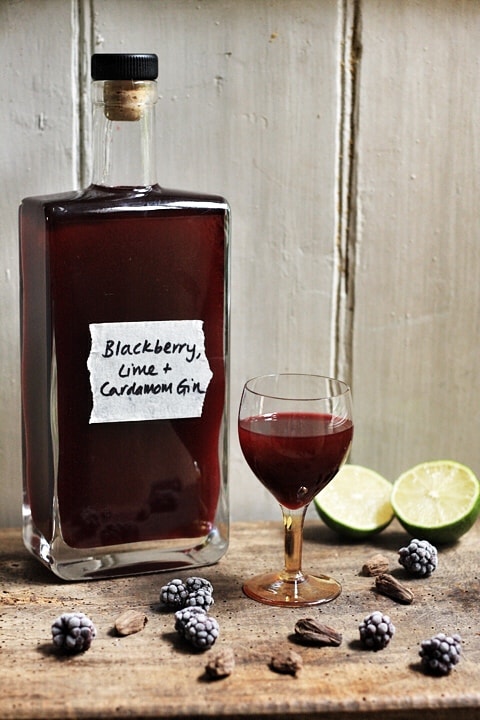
x: 152, y: 674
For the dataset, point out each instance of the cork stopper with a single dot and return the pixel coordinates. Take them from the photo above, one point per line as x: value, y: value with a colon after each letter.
x: 129, y: 83
x: 126, y: 100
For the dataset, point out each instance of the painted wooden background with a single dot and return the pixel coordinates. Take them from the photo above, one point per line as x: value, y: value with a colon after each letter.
x: 346, y: 136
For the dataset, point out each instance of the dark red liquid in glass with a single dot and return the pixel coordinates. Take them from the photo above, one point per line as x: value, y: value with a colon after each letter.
x: 295, y: 454
x: 118, y: 256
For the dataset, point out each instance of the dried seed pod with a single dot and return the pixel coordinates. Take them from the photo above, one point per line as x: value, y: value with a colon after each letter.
x: 221, y: 664
x: 286, y: 662
x: 130, y: 622
x: 392, y: 588
x: 313, y: 632
x: 375, y: 565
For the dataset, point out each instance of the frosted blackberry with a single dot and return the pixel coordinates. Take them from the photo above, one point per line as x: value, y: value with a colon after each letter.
x: 174, y: 594
x: 201, y: 631
x: 198, y: 583
x: 183, y: 616
x: 200, y: 598
x: 441, y: 653
x: 194, y: 591
x: 200, y: 592
x: 376, y: 631
x: 73, y: 632
x: 418, y: 558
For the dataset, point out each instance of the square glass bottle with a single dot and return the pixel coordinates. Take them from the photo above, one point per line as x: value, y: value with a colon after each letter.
x: 124, y: 311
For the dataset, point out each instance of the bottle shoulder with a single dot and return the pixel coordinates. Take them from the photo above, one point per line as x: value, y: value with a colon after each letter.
x: 97, y: 199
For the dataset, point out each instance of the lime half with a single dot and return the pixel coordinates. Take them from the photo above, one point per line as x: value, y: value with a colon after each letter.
x: 437, y: 501
x: 356, y: 503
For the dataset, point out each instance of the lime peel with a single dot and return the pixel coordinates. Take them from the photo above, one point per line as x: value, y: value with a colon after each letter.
x: 356, y: 503
x: 438, y: 501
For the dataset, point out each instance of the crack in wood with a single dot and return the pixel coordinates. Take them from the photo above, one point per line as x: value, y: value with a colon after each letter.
x: 346, y: 235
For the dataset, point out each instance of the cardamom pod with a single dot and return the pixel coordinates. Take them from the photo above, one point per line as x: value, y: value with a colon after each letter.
x: 130, y: 621
x: 221, y: 664
x: 313, y: 632
x: 375, y: 565
x: 392, y: 588
x: 286, y: 662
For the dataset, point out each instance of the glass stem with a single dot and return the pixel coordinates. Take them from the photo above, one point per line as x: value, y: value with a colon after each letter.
x: 293, y: 525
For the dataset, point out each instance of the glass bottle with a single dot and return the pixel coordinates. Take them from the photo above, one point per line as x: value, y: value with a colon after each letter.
x: 124, y: 306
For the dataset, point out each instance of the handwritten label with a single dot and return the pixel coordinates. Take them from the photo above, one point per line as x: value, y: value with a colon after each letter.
x: 147, y: 370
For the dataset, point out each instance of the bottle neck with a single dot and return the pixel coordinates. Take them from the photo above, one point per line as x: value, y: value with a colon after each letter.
x: 124, y: 133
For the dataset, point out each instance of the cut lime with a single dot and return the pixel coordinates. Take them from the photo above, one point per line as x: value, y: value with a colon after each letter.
x: 437, y: 501
x: 356, y: 503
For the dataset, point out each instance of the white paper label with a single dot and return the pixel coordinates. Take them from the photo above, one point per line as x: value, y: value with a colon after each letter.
x: 147, y: 370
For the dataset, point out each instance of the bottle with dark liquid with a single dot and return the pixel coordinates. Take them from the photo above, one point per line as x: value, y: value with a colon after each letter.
x: 124, y: 292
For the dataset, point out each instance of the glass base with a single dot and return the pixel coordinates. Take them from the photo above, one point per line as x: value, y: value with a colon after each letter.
x: 274, y: 589
x: 121, y: 560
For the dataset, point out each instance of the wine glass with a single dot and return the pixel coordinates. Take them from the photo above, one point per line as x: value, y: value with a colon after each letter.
x: 295, y: 431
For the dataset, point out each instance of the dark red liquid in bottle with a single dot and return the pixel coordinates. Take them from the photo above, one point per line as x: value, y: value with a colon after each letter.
x: 106, y: 256
x: 295, y: 454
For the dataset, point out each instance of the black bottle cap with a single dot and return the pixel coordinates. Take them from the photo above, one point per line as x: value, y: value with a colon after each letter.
x: 124, y: 66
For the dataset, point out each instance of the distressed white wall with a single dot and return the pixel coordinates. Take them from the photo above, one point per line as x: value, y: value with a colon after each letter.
x: 417, y: 267
x: 38, y: 148
x: 346, y: 137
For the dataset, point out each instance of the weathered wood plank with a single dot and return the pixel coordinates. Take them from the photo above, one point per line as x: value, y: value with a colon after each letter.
x: 249, y: 108
x: 152, y: 674
x: 417, y: 295
x: 38, y: 154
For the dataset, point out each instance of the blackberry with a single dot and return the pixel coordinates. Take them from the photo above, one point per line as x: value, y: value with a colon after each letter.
x: 200, y: 598
x: 200, y: 592
x: 73, y: 632
x: 174, y: 594
x: 418, y: 558
x: 376, y: 631
x: 440, y: 653
x: 193, y: 591
x: 198, y: 583
x: 201, y: 631
x: 183, y: 616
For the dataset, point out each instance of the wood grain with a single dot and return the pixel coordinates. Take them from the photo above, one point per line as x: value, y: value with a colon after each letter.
x: 38, y: 148
x: 151, y: 674
x: 417, y: 296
